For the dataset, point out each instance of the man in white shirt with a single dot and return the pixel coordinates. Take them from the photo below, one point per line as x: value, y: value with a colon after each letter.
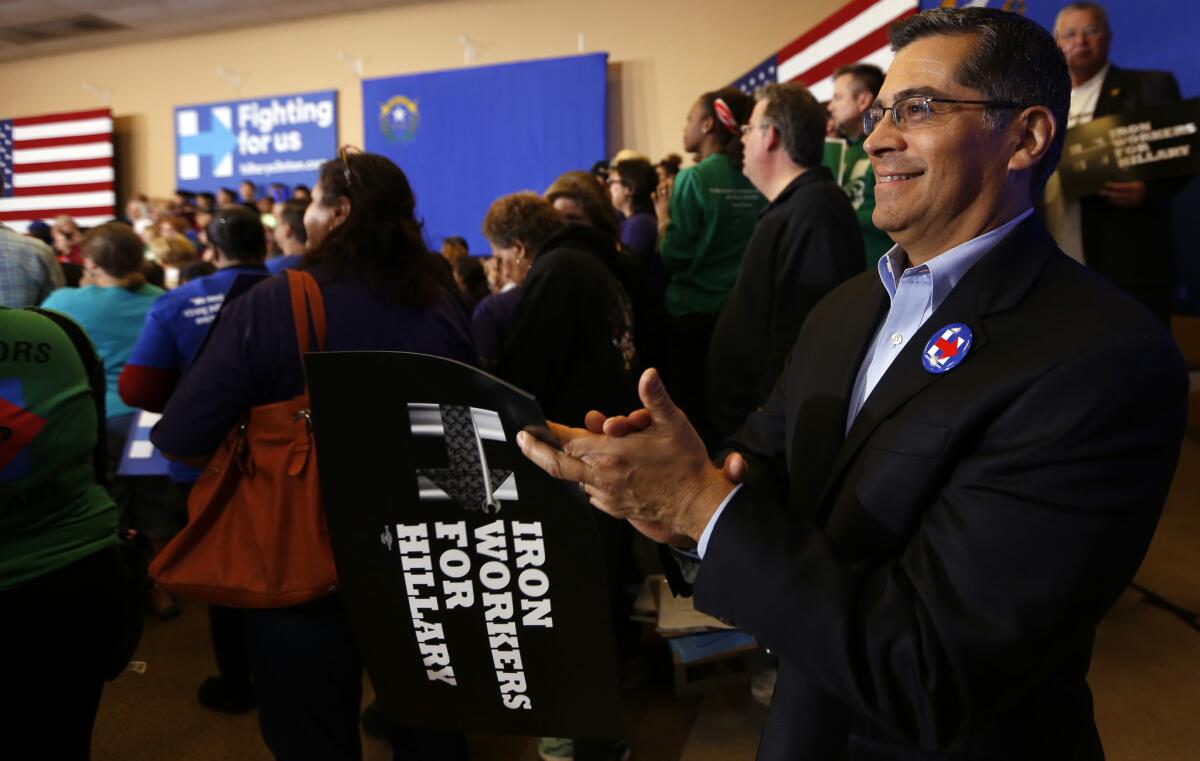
x: 1124, y: 231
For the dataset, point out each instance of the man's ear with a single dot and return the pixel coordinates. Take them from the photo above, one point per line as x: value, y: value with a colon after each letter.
x: 707, y: 125
x: 864, y: 99
x: 774, y: 139
x: 1034, y: 129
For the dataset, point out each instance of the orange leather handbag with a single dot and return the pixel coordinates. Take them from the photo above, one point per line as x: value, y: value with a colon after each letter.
x: 256, y: 534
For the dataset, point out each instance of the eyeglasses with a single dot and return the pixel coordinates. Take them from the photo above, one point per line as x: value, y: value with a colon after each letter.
x: 614, y: 181
x: 746, y: 128
x: 1087, y: 31
x: 343, y: 156
x: 917, y: 110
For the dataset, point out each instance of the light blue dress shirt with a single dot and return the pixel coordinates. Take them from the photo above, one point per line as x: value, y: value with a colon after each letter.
x: 915, y: 295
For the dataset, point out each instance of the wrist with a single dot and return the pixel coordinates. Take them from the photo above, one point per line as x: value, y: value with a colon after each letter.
x: 713, y: 488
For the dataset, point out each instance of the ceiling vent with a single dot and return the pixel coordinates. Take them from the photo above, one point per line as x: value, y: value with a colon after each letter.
x: 58, y: 29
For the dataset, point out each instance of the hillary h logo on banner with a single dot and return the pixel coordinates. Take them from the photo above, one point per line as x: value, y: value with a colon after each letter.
x: 283, y: 138
x: 57, y: 164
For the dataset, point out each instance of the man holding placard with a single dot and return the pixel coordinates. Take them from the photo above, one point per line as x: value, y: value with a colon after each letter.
x: 1124, y: 230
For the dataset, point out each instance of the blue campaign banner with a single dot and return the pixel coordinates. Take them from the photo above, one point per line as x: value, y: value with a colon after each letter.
x: 282, y: 138
x: 467, y: 136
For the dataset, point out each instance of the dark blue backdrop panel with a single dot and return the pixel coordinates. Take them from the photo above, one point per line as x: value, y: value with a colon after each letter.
x: 467, y: 136
x: 1145, y: 35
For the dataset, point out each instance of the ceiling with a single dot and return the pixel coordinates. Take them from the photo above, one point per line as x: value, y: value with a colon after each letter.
x: 30, y: 28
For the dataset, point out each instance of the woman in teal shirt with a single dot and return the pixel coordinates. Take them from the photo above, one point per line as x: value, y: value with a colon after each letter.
x: 113, y: 302
x: 111, y: 306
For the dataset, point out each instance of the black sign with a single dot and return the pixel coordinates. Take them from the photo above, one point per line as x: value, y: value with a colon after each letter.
x: 1157, y: 142
x: 474, y: 582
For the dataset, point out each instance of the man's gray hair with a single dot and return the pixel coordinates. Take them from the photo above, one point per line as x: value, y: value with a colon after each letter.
x: 1096, y: 8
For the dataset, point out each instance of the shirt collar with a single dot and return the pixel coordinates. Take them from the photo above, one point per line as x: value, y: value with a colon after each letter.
x: 947, y: 268
x: 812, y: 174
x: 1096, y: 80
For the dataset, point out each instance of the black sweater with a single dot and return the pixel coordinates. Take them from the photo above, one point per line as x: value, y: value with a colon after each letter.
x: 572, y: 343
x: 806, y: 243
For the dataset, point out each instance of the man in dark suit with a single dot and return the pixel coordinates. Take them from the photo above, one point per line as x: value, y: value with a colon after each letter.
x: 959, y: 470
x: 1124, y: 231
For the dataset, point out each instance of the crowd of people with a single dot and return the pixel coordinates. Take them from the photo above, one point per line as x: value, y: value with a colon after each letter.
x: 706, y: 272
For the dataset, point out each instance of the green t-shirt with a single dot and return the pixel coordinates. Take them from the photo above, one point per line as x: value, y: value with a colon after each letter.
x: 52, y: 511
x: 858, y: 182
x: 714, y: 210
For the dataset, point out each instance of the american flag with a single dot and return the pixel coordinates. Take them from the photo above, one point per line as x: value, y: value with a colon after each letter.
x: 57, y: 164
x: 855, y: 33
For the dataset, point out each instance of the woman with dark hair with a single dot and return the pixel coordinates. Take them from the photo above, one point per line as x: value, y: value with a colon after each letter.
x: 577, y: 197
x: 705, y: 218
x: 382, y: 290
x: 571, y: 344
x: 668, y: 168
x: 631, y: 185
x: 471, y: 281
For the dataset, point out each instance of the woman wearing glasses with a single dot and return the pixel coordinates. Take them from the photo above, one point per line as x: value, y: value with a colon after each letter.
x: 382, y: 289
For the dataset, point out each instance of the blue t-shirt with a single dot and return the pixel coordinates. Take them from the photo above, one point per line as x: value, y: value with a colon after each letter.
x: 281, y: 263
x: 113, y: 318
x: 176, y: 326
x: 252, y: 357
x: 178, y: 322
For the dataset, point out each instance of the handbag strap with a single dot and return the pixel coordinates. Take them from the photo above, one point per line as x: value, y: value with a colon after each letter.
x: 306, y: 300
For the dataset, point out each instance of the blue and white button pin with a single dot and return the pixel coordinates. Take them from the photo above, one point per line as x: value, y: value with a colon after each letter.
x: 947, y: 348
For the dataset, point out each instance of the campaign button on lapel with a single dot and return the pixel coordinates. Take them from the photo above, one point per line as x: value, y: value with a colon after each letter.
x: 946, y: 348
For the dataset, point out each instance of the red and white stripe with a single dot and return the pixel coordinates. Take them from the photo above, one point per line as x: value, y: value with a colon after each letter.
x: 855, y: 33
x: 62, y: 164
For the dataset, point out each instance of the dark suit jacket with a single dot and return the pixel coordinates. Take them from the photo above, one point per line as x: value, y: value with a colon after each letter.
x: 931, y: 581
x: 1133, y: 247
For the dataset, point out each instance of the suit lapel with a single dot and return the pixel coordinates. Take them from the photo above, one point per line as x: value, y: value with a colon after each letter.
x: 822, y: 418
x: 1111, y: 89
x: 997, y: 281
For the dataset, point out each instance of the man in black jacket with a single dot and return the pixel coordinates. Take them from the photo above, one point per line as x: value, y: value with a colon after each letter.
x: 1124, y: 231
x: 806, y: 243
x: 961, y: 466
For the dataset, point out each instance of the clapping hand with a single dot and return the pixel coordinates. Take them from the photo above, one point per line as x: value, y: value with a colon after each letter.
x: 649, y: 467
